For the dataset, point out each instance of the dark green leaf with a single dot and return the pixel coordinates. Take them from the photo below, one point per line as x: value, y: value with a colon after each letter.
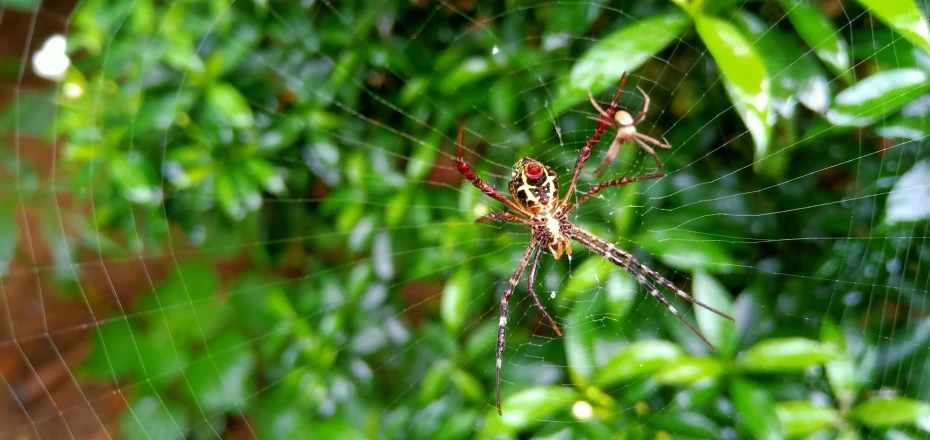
x: 468, y: 71
x: 152, y: 417
x: 800, y: 418
x: 601, y: 66
x: 744, y: 76
x: 784, y: 355
x: 882, y: 412
x: 903, y: 16
x: 876, y: 96
x: 455, y: 298
x: 820, y: 35
x: 433, y: 383
x: 186, y: 302
x: 22, y: 5
x: 756, y: 408
x: 636, y: 360
x: 718, y: 330
x: 685, y: 422
x: 468, y: 385
x: 115, y: 353
x: 688, y: 370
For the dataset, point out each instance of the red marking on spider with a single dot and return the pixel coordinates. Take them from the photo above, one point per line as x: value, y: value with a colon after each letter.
x: 534, y: 171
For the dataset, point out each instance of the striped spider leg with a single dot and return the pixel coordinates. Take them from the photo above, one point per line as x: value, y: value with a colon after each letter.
x: 534, y: 202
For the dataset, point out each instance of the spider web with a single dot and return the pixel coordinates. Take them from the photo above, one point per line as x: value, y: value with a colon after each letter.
x: 846, y: 199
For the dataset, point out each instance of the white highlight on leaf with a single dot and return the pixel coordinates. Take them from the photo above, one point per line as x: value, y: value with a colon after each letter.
x: 582, y: 410
x: 909, y: 199
x: 51, y: 62
x: 495, y: 51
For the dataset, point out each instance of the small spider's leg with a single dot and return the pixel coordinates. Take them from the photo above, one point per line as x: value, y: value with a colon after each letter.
x: 505, y: 313
x: 649, y: 150
x: 654, y: 141
x: 599, y: 119
x: 597, y: 106
x: 475, y: 180
x: 608, y: 158
x: 642, y: 114
x: 532, y: 281
x: 505, y: 216
x: 616, y: 182
x: 586, y: 149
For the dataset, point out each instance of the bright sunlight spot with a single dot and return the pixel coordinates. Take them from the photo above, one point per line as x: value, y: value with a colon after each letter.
x: 50, y: 62
x: 582, y: 410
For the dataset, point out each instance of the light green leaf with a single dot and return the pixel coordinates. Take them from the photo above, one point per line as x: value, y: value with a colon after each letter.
x: 756, y: 408
x: 151, y: 417
x: 840, y: 370
x: 468, y: 71
x: 468, y: 385
x: 882, y: 412
x: 688, y: 370
x: 433, y: 383
x: 625, y: 50
x: 455, y: 297
x: 903, y: 16
x: 9, y: 237
x: 784, y: 355
x: 821, y: 35
x: 800, y: 418
x: 744, y: 76
x: 876, y: 96
x: 718, y: 330
x: 909, y: 199
x: 621, y: 292
x: 579, y: 334
x: 528, y: 408
x: 687, y: 251
x: 114, y: 352
x: 588, y: 275
x: 228, y: 102
x: 224, y: 378
x: 133, y: 180
x: 636, y: 360
x: 909, y: 128
x: 685, y: 422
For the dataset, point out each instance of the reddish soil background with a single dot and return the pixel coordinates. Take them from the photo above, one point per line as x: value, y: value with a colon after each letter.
x: 45, y: 334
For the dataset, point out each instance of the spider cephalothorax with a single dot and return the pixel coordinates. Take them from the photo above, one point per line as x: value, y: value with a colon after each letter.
x: 625, y: 123
x: 534, y: 203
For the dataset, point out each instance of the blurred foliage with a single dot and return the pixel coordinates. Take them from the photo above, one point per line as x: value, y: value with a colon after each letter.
x: 315, y: 137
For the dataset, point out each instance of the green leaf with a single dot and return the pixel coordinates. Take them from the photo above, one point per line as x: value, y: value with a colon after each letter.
x: 468, y: 71
x: 688, y: 370
x: 876, y: 96
x: 433, y: 383
x: 640, y: 358
x: 744, y: 77
x: 158, y: 112
x: 784, y: 355
x: 687, y: 251
x: 186, y: 302
x: 885, y: 412
x: 223, y: 379
x: 840, y: 370
x: 718, y: 330
x: 22, y: 5
x: 133, y: 180
x: 903, y: 16
x: 9, y: 237
x: 228, y: 102
x: 579, y: 332
x: 800, y: 417
x: 621, y: 292
x: 151, y: 417
x: 586, y: 276
x: 114, y: 353
x: 528, y: 408
x: 455, y: 298
x: 909, y: 199
x: 624, y: 50
x: 163, y: 360
x: 756, y: 408
x: 821, y: 36
x: 796, y: 75
x: 468, y: 385
x: 909, y: 128
x: 685, y: 422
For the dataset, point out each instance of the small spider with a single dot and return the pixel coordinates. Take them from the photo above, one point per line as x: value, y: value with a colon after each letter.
x: 625, y: 123
x: 534, y: 202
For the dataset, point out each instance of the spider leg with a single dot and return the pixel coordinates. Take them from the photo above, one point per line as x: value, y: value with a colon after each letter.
x: 480, y: 184
x: 586, y: 149
x: 668, y: 284
x: 608, y: 158
x: 642, y: 114
x: 599, y: 119
x: 649, y: 150
x: 616, y: 182
x: 505, y: 313
x: 597, y: 106
x: 505, y: 216
x: 653, y: 141
x: 532, y: 281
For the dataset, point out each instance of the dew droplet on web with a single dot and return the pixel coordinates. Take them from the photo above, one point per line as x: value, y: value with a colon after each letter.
x: 552, y: 295
x: 495, y: 50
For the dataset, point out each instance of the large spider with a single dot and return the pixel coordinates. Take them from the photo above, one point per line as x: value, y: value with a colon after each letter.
x: 534, y: 203
x: 625, y: 123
